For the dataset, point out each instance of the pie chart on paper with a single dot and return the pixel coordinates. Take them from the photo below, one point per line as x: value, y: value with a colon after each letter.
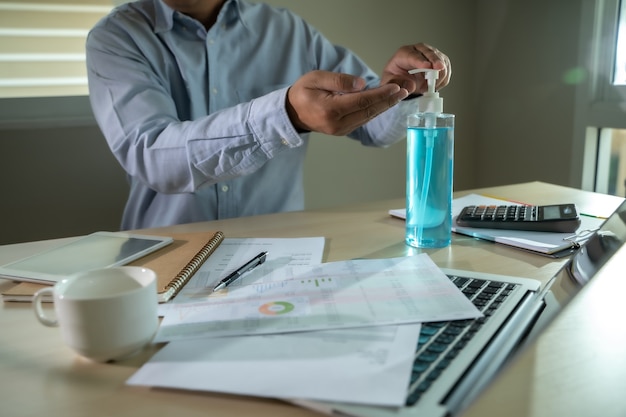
x: 275, y: 308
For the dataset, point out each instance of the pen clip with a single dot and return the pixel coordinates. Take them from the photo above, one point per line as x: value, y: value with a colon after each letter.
x: 253, y: 263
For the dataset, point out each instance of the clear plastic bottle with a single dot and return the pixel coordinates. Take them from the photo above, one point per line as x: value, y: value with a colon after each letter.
x: 430, y: 164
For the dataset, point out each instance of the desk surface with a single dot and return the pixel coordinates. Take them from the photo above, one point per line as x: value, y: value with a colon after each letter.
x: 40, y: 376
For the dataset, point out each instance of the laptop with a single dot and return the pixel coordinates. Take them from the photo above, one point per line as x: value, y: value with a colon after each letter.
x: 455, y: 360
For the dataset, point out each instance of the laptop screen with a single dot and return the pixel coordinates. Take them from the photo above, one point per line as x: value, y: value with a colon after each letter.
x: 600, y: 247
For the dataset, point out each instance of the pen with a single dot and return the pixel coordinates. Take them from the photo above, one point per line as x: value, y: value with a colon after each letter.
x: 248, y: 266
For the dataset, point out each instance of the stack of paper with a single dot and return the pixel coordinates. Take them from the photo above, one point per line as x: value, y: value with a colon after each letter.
x: 336, y: 295
x: 342, y: 331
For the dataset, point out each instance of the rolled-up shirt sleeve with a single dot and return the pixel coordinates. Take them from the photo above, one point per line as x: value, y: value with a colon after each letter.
x: 170, y: 155
x: 197, y: 117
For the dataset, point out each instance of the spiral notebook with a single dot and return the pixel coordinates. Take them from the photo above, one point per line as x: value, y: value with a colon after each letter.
x: 174, y: 265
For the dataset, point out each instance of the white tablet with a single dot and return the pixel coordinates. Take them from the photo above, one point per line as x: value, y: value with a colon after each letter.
x: 97, y: 250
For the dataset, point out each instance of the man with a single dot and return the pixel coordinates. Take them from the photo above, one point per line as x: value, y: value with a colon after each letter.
x: 207, y: 104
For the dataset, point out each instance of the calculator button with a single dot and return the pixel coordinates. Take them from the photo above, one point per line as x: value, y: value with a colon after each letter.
x: 500, y: 213
x: 489, y: 212
x: 511, y: 213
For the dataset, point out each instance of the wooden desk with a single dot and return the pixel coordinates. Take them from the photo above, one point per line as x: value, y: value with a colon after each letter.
x: 40, y: 376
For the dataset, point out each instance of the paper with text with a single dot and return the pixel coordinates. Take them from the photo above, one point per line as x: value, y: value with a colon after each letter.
x: 343, y: 294
x: 234, y: 252
x: 368, y: 365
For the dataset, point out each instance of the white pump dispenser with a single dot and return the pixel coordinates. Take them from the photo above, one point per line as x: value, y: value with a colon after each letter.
x: 429, y: 102
x: 430, y: 153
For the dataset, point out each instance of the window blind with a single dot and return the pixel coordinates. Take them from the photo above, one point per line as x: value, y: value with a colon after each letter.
x: 42, y: 46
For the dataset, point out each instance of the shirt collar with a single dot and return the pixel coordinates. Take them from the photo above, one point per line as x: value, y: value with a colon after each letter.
x: 164, y: 15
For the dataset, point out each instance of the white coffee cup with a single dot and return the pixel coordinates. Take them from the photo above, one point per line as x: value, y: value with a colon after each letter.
x: 104, y: 314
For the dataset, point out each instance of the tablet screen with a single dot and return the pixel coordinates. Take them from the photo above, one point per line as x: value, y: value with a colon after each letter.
x: 97, y: 250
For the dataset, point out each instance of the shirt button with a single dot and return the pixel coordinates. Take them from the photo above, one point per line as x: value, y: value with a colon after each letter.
x: 284, y: 142
x: 224, y: 188
x: 214, y: 90
x: 210, y: 42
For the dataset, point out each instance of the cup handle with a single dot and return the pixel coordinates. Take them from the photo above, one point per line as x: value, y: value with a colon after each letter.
x: 39, y: 313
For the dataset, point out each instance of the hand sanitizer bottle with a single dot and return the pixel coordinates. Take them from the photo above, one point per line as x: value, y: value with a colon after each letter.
x: 430, y: 157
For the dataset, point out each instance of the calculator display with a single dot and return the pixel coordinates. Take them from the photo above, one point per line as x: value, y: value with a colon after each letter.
x: 551, y: 212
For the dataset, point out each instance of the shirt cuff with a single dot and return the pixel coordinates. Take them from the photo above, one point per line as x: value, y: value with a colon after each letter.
x: 270, y: 122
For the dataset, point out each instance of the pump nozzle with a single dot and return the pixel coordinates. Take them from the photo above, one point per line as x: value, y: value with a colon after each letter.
x: 430, y: 102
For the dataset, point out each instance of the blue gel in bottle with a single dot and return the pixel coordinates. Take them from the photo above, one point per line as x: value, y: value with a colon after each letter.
x: 430, y: 162
x: 429, y: 170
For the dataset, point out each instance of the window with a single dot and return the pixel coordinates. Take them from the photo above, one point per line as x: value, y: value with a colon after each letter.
x: 619, y: 77
x: 603, y: 114
x: 42, y: 46
x: 611, y: 162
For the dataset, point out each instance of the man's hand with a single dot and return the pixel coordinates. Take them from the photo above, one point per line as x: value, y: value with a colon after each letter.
x: 416, y: 56
x: 336, y: 104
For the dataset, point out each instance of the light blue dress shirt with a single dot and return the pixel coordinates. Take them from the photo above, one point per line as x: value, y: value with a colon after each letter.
x: 197, y: 119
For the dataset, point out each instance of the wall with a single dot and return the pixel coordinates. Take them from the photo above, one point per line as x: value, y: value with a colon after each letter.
x: 527, y: 73
x: 59, y: 179
x: 340, y: 171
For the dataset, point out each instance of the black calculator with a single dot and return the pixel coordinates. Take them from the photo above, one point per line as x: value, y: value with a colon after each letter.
x: 561, y: 218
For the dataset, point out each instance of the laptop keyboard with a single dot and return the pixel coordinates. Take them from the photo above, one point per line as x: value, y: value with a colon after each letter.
x: 440, y: 342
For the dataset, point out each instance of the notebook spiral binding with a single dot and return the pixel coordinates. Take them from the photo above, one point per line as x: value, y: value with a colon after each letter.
x: 196, y: 262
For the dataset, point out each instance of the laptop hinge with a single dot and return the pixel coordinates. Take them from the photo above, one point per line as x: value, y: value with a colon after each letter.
x: 495, y: 354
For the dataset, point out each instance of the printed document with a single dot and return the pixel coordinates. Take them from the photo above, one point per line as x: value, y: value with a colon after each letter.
x: 370, y: 365
x: 234, y: 252
x: 355, y: 293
